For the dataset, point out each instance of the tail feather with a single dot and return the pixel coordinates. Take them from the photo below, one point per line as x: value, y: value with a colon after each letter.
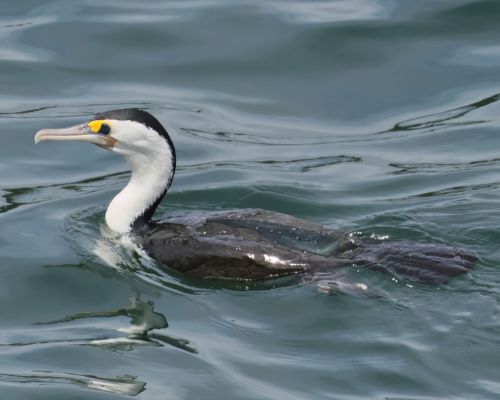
x: 422, y: 262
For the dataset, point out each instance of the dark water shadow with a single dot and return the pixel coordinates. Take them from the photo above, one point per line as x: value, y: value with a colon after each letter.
x: 459, y: 190
x: 444, y: 118
x: 429, y: 168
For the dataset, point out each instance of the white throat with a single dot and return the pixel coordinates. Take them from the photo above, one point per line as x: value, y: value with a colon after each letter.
x: 151, y: 162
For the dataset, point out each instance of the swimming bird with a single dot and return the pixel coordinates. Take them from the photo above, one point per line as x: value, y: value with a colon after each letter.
x: 249, y: 244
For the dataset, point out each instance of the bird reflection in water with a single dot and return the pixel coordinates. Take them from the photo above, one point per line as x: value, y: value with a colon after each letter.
x: 144, y: 320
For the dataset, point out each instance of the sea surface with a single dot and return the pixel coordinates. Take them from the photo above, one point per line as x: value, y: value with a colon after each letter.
x: 380, y: 117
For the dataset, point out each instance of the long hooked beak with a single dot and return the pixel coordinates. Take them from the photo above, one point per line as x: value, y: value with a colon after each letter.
x: 80, y: 133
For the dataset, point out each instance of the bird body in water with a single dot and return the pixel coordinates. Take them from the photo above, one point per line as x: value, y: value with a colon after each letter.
x: 251, y: 244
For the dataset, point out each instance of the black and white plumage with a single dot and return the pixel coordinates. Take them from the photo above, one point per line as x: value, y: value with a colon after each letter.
x: 244, y: 244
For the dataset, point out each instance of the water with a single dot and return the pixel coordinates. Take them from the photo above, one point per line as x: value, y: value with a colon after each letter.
x: 376, y: 116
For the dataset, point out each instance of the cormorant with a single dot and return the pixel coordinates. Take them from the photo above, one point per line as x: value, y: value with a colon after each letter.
x: 250, y: 244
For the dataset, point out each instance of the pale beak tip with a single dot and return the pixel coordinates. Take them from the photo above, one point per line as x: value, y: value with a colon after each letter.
x: 38, y: 137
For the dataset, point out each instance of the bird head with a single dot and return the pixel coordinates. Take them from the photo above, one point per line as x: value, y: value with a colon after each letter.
x: 131, y: 132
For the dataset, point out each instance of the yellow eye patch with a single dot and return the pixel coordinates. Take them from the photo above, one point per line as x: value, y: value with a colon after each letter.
x: 99, y: 126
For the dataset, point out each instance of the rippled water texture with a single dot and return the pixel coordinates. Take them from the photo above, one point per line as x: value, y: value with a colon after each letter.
x: 377, y: 116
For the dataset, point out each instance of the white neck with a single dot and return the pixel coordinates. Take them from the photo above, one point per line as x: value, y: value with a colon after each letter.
x: 152, y: 169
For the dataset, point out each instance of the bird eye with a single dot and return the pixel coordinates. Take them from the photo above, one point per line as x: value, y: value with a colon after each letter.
x: 104, y: 129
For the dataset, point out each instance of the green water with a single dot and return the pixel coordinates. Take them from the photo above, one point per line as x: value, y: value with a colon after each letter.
x: 378, y: 116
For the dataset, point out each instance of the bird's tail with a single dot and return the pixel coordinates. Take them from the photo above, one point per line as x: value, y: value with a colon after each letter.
x: 426, y: 263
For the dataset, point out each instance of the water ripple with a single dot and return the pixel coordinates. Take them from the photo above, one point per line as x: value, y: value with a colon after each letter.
x: 300, y: 165
x: 125, y: 385
x: 11, y: 47
x: 321, y: 12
